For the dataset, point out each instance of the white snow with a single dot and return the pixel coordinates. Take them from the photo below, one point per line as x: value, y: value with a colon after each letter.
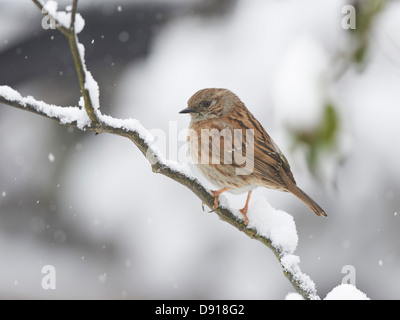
x: 71, y: 114
x: 62, y: 17
x: 91, y: 85
x: 273, y: 224
x: 346, y: 292
x: 293, y: 296
x: 51, y: 157
x: 290, y: 263
x: 280, y: 228
x: 134, y: 125
x: 68, y: 115
x: 93, y: 88
x: 64, y: 114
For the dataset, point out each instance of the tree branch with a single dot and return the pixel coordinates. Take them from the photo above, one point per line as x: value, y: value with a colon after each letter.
x: 91, y: 119
x: 73, y: 13
x: 77, y: 55
x: 71, y: 116
x: 59, y: 26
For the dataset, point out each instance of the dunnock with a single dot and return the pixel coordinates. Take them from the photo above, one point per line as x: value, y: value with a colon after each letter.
x: 220, y: 131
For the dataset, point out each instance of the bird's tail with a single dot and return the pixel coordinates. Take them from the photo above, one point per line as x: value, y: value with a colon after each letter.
x: 293, y: 188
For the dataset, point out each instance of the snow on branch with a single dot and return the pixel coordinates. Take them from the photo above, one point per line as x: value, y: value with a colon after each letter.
x: 67, y: 23
x: 274, y: 228
x: 68, y: 20
x: 64, y: 115
x: 70, y: 24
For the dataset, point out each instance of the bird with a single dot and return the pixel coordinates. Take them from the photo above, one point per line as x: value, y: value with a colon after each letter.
x: 234, y: 152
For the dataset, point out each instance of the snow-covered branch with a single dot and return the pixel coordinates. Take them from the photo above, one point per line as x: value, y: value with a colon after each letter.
x: 70, y: 24
x: 274, y: 228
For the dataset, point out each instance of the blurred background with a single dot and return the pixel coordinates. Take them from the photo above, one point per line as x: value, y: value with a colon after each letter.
x: 91, y: 206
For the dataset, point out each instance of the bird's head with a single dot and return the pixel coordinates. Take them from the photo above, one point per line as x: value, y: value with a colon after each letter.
x: 211, y: 103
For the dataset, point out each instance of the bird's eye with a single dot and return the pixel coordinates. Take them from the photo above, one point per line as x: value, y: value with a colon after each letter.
x: 206, y: 103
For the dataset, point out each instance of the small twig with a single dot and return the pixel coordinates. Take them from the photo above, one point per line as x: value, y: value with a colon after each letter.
x: 80, y: 67
x: 66, y: 32
x: 72, y: 38
x: 73, y: 13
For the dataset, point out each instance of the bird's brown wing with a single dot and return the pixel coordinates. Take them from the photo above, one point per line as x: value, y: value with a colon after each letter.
x: 269, y: 162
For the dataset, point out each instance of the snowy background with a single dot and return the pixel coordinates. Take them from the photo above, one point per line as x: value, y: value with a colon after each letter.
x: 91, y: 206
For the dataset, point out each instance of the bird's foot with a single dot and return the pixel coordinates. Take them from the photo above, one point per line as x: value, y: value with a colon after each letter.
x: 244, y: 213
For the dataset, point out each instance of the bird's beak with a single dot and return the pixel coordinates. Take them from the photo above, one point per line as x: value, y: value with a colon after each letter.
x: 188, y: 110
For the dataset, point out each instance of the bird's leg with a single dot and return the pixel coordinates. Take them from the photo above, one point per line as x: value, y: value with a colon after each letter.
x: 246, y: 207
x: 216, y: 196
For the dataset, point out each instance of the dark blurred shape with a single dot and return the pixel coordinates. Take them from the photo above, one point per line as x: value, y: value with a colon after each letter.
x: 321, y: 137
x: 367, y: 11
x: 113, y: 37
